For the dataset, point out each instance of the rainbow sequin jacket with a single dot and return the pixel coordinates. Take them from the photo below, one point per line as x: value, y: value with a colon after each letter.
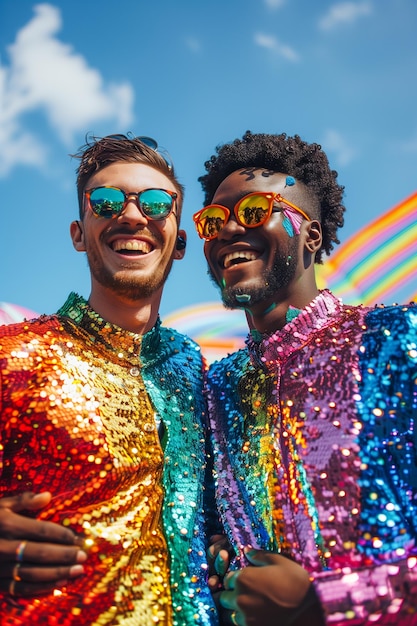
x: 316, y: 453
x: 80, y: 403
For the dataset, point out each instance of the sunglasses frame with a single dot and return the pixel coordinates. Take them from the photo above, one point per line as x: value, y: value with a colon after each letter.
x: 127, y: 196
x: 269, y: 195
x: 150, y: 142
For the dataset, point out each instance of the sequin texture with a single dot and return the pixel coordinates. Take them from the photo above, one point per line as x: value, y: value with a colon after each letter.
x: 80, y: 404
x: 315, y: 453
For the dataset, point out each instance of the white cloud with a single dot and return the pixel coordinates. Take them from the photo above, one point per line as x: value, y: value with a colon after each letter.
x: 272, y: 43
x: 48, y: 76
x: 345, y: 13
x: 334, y: 142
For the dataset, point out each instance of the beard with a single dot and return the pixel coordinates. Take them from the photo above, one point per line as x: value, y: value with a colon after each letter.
x: 278, y: 277
x: 130, y: 287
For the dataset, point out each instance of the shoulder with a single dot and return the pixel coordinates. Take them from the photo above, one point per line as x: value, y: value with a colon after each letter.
x: 178, y: 347
x: 394, y: 321
x: 232, y: 365
x: 396, y: 313
x: 23, y: 342
x: 38, y: 326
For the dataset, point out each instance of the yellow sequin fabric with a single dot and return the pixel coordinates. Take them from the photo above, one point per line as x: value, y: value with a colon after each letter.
x: 80, y: 403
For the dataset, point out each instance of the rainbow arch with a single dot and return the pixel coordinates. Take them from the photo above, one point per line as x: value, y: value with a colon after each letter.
x: 379, y: 262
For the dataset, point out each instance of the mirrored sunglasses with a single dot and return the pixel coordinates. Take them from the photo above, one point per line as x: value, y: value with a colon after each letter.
x: 109, y: 202
x: 148, y: 141
x: 250, y: 211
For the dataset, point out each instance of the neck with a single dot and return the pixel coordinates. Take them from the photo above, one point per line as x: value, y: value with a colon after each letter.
x: 269, y: 316
x: 137, y: 316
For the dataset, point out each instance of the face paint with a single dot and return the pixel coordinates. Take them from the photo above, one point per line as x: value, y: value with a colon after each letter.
x: 292, y: 221
x: 243, y: 297
x: 288, y: 226
x: 289, y: 181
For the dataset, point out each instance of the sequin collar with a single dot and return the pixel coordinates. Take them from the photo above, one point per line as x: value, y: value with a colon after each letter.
x: 316, y: 315
x: 109, y: 336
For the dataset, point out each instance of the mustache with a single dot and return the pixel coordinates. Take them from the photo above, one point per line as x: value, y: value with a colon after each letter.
x: 132, y: 232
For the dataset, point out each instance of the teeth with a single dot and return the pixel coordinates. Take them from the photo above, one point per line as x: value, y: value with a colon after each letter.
x: 245, y: 255
x: 133, y: 244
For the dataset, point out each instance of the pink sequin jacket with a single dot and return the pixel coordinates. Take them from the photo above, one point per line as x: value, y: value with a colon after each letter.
x: 316, y: 453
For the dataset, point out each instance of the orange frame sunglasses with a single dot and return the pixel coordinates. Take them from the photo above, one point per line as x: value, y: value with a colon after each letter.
x: 251, y: 211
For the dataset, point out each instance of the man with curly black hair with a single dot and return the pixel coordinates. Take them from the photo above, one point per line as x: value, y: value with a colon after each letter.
x: 313, y: 421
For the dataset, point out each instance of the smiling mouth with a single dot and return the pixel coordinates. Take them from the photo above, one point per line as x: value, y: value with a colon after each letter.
x: 131, y: 247
x: 236, y: 258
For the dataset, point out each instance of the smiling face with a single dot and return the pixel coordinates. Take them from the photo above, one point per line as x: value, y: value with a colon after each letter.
x: 129, y: 256
x: 256, y: 268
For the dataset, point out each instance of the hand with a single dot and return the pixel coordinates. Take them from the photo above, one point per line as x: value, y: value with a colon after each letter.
x: 219, y: 555
x: 35, y: 556
x: 271, y: 590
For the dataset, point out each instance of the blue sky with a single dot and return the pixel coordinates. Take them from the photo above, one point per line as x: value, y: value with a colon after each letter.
x: 193, y: 74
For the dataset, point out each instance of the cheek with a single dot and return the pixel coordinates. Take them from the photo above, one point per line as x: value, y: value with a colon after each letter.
x: 208, y: 247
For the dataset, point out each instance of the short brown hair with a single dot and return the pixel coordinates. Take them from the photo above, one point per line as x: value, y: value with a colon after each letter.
x: 98, y: 152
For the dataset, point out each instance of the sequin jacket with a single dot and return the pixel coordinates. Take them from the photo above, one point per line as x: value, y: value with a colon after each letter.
x: 316, y: 452
x: 80, y: 399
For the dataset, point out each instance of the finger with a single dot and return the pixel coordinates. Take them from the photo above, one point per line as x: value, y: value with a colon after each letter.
x: 228, y: 600
x: 14, y: 526
x: 39, y: 553
x: 24, y: 590
x: 262, y: 557
x: 40, y: 575
x: 213, y: 583
x: 27, y: 500
x: 230, y: 580
x: 222, y: 562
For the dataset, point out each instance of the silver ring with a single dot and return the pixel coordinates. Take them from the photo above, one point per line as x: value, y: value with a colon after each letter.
x: 20, y: 550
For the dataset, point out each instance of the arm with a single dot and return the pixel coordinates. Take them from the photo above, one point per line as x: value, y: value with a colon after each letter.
x: 35, y: 556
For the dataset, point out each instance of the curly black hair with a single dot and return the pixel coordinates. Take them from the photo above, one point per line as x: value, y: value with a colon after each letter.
x: 307, y: 162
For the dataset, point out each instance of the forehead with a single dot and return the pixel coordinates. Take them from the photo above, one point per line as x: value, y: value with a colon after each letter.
x: 248, y: 180
x: 130, y: 177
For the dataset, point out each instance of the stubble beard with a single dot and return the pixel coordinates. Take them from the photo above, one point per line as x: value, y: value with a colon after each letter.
x: 271, y: 282
x: 127, y: 287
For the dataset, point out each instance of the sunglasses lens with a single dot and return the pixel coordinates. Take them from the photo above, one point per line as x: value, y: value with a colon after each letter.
x: 253, y: 210
x: 210, y: 222
x: 107, y: 201
x: 148, y: 141
x: 156, y: 204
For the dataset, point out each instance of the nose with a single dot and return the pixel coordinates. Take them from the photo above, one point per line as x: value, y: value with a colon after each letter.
x: 131, y: 211
x: 231, y: 230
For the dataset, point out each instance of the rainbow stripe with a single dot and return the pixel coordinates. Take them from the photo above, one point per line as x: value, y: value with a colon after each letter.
x: 379, y: 261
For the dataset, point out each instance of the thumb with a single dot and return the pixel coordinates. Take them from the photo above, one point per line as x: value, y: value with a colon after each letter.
x: 261, y: 558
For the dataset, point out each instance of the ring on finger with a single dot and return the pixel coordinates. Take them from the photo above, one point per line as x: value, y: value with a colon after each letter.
x: 16, y: 572
x: 11, y: 587
x: 20, y: 550
x: 233, y: 618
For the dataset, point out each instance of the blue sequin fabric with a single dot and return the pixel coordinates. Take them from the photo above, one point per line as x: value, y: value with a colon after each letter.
x: 81, y: 401
x: 316, y: 453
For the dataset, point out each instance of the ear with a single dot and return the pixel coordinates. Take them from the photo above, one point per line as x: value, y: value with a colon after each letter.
x: 77, y: 235
x: 180, y: 252
x: 313, y: 236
